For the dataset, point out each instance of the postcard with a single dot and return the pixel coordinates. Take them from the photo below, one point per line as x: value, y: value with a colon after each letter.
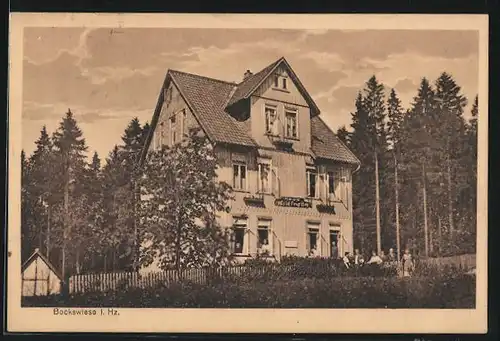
x: 247, y: 173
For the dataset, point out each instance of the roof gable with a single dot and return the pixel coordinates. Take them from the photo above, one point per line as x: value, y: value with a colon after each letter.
x: 246, y: 88
x: 206, y: 98
x: 33, y: 256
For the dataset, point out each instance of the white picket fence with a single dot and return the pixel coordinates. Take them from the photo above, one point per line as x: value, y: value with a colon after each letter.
x: 116, y: 281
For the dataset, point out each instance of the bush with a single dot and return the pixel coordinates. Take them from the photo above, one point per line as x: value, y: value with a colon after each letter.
x: 440, y: 290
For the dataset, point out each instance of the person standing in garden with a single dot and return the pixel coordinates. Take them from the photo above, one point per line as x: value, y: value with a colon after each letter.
x: 346, y: 260
x: 375, y: 259
x: 391, y: 257
x: 407, y: 263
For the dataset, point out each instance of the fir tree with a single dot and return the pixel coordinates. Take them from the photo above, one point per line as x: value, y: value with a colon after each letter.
x: 343, y: 135
x: 70, y: 147
x: 452, y: 134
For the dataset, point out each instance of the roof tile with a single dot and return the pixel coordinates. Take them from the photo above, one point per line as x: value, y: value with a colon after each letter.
x: 209, y: 97
x: 325, y: 144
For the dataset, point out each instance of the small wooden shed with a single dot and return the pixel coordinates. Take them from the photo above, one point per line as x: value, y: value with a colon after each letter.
x: 39, y: 276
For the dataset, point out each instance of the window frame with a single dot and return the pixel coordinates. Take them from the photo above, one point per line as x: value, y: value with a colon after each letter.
x: 313, y: 229
x: 173, y: 129
x: 240, y: 164
x: 295, y: 113
x: 267, y: 122
x: 309, y: 171
x: 265, y: 224
x: 241, y: 224
x: 268, y: 164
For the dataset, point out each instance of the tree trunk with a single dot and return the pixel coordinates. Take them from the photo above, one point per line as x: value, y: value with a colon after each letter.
x: 114, y: 259
x: 47, y: 237
x: 450, y: 201
x: 377, y: 205
x: 136, y: 232
x: 78, y: 265
x: 178, y: 251
x: 66, y: 221
x: 396, y: 190
x: 426, y: 228
x: 105, y: 260
x: 440, y: 236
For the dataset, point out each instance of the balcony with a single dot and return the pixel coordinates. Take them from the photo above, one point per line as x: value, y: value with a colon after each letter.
x: 277, y: 136
x: 256, y: 200
x: 328, y: 205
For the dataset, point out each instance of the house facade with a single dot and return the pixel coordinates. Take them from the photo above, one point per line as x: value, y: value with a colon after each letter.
x: 290, y: 174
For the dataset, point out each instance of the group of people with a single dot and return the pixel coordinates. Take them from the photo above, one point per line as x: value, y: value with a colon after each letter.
x: 406, y: 263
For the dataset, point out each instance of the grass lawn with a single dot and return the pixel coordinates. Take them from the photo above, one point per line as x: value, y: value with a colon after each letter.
x: 438, y: 291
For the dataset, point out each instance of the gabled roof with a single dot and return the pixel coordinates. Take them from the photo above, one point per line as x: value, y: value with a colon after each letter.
x: 326, y: 145
x: 208, y: 98
x: 246, y: 88
x: 35, y: 254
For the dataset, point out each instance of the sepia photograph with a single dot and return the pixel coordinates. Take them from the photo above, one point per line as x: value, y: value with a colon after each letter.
x: 246, y: 167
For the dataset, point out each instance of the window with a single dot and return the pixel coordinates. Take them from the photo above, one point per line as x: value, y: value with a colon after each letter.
x: 312, y: 240
x: 238, y: 237
x: 334, y: 244
x: 312, y: 177
x: 264, y: 243
x: 168, y: 96
x: 173, y: 130
x: 291, y: 124
x: 162, y: 132
x: 240, y: 177
x: 184, y: 128
x: 264, y: 178
x: 271, y: 116
x: 280, y: 81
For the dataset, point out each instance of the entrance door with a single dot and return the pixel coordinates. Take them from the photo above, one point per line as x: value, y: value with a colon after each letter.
x: 334, y: 244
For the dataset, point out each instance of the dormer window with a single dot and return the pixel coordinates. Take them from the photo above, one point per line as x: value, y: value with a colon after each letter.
x: 284, y: 83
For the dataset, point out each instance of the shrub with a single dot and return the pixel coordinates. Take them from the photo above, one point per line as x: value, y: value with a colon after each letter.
x: 446, y: 290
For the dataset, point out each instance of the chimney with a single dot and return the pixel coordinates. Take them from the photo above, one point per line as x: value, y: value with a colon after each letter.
x: 247, y: 74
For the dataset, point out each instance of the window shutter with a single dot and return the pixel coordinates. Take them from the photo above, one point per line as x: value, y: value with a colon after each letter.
x: 259, y: 179
x: 307, y: 182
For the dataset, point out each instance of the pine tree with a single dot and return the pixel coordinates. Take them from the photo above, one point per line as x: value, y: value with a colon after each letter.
x: 343, y: 135
x: 451, y: 134
x: 418, y: 152
x: 42, y: 188
x: 395, y: 114
x: 28, y: 230
x: 70, y: 147
x: 374, y: 104
x: 362, y: 144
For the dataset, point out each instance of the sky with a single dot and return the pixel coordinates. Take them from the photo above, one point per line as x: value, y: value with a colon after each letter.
x: 108, y: 76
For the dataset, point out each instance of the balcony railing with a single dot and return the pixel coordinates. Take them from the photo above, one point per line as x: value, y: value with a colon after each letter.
x: 277, y: 135
x: 254, y: 199
x: 328, y: 205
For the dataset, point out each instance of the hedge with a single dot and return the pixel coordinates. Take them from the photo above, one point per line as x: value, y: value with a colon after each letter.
x: 447, y: 289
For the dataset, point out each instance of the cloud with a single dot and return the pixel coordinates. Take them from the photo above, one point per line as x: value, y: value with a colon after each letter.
x: 106, y: 76
x: 406, y: 85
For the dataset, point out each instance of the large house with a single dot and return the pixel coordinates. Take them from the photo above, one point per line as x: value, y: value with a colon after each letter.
x: 290, y: 173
